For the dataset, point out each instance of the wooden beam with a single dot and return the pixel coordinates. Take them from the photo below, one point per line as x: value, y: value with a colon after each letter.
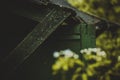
x: 34, y: 39
x: 87, y: 18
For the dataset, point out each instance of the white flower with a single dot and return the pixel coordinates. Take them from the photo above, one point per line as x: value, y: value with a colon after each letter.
x: 90, y: 49
x: 96, y: 50
x: 118, y: 58
x: 88, y: 52
x: 76, y: 56
x: 102, y: 53
x: 68, y: 53
x: 56, y: 54
x: 82, y: 51
x: 85, y: 50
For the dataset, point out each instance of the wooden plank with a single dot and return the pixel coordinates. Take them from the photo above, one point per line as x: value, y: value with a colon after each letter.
x: 82, y: 16
x: 87, y: 32
x: 35, y: 38
x: 87, y: 18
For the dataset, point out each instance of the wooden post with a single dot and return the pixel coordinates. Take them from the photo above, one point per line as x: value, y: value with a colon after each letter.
x: 87, y: 35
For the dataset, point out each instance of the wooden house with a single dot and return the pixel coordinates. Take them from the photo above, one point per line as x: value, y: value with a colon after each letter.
x: 33, y: 29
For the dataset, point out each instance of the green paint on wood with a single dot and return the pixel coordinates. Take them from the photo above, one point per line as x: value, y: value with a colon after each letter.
x: 87, y: 32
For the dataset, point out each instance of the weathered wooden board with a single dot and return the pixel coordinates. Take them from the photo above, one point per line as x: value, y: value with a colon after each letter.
x: 87, y: 18
x: 35, y: 38
x: 87, y: 32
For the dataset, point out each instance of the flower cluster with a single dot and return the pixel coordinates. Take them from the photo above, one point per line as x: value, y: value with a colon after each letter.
x: 95, y: 54
x: 66, y: 53
x: 96, y: 51
x: 92, y: 61
x: 66, y: 60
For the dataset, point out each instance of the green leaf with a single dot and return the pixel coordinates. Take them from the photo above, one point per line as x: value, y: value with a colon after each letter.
x: 84, y: 76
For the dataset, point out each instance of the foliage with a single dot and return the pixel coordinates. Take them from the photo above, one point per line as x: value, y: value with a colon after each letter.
x: 109, y: 41
x: 94, y: 64
x: 108, y: 9
x: 65, y: 60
